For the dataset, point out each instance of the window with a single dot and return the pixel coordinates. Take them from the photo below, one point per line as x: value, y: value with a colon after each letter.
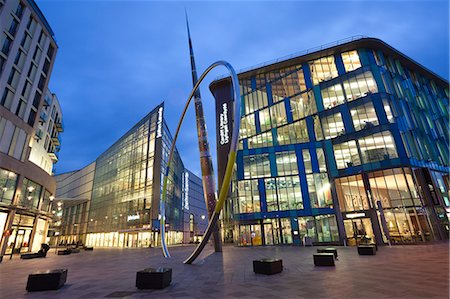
x: 286, y: 163
x: 46, y: 66
x: 6, y: 45
x: 37, y: 54
x: 377, y: 147
x: 387, y: 109
x: 333, y: 125
x: 248, y: 196
x: 41, y: 82
x: 321, y: 160
x: 286, y: 82
x: 13, y: 28
x: 346, y: 154
x: 283, y: 193
x: 20, y: 111
x: 317, y: 128
x: 326, y: 228
x: 256, y: 166
x: 323, y: 69
x: 31, y: 117
x: 260, y: 140
x: 307, y: 161
x: 19, y: 10
x: 8, y: 181
x: 30, y: 194
x: 332, y: 96
x: 37, y: 99
x: 360, y: 86
x: 364, y: 116
x: 253, y: 99
x: 293, y: 133
x: 352, y: 194
x: 351, y: 60
x: 32, y: 71
x: 248, y: 127
x: 278, y: 114
x: 26, y: 89
x: 319, y: 190
x: 264, y: 120
x: 7, y: 98
x: 303, y: 105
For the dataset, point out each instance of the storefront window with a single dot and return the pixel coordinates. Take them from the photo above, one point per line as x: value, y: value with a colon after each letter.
x: 319, y: 189
x: 303, y: 105
x: 351, y: 60
x: 360, y: 86
x: 30, y: 194
x: 377, y: 147
x: 47, y: 201
x: 346, y: 154
x: 248, y: 196
x: 307, y: 230
x: 278, y: 114
x: 351, y: 193
x: 256, y: 166
x: 286, y: 163
x: 323, y: 69
x: 293, y: 133
x: 8, y: 181
x: 326, y: 228
x: 250, y: 235
x: 333, y: 125
x: 364, y: 116
x: 332, y: 96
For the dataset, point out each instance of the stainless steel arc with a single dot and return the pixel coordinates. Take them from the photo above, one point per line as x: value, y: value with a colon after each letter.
x: 231, y: 160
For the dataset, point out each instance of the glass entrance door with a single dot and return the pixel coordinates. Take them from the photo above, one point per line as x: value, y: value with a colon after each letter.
x: 358, y: 231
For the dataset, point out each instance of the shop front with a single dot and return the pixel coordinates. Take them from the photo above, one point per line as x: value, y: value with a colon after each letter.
x: 21, y: 231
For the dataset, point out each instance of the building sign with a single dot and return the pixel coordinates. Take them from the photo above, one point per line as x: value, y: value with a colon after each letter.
x: 355, y: 215
x: 186, y: 191
x: 133, y: 217
x: 159, y: 123
x: 223, y: 125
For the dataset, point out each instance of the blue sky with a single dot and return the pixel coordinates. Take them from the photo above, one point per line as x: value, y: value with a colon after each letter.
x: 117, y: 60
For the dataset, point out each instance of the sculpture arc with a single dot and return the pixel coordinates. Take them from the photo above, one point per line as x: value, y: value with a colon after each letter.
x: 229, y: 169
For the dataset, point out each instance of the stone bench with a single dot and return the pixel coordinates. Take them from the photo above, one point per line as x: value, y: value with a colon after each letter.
x: 328, y: 250
x: 153, y: 278
x: 324, y: 259
x: 88, y: 248
x: 46, y: 280
x: 268, y: 266
x: 74, y: 250
x: 367, y: 250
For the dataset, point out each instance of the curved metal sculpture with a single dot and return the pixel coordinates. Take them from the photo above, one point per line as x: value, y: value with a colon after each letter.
x: 229, y: 169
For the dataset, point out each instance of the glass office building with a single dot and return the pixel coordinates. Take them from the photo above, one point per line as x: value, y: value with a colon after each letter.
x: 123, y: 207
x: 338, y: 145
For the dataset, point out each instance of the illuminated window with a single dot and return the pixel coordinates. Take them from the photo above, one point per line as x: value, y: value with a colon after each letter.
x: 360, y: 86
x: 264, y: 120
x: 377, y: 147
x: 293, y: 133
x: 388, y: 110
x: 286, y: 83
x: 332, y: 96
x: 352, y: 194
x: 333, y: 125
x: 260, y: 140
x: 307, y: 160
x: 248, y: 127
x: 303, y: 105
x: 248, y: 196
x: 253, y: 99
x: 278, y: 114
x: 364, y: 116
x: 317, y: 128
x: 323, y: 69
x: 286, y: 163
x: 319, y: 190
x: 283, y: 193
x: 346, y: 154
x: 351, y: 60
x: 256, y: 166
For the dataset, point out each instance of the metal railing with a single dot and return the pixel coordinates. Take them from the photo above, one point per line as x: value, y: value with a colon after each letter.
x: 297, y: 54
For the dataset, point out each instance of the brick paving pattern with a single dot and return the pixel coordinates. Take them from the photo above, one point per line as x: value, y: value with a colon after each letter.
x: 415, y: 271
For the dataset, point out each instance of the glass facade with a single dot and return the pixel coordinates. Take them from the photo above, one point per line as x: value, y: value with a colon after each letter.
x: 331, y: 145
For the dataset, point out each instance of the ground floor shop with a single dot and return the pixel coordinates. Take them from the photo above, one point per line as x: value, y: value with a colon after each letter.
x: 132, y: 239
x: 22, y: 232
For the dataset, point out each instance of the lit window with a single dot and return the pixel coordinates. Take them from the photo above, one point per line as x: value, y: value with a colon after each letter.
x: 332, y: 96
x: 377, y: 147
x: 351, y: 60
x: 364, y: 116
x: 323, y: 69
x: 346, y: 154
x: 360, y: 86
x: 333, y: 125
x: 286, y: 163
x: 303, y: 105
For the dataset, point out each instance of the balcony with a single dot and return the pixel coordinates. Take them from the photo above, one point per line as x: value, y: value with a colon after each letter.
x: 43, y: 117
x: 38, y: 135
x: 56, y: 139
x: 59, y: 126
x: 54, y: 157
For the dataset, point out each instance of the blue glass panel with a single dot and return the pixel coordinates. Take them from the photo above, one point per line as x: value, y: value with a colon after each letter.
x: 307, y: 73
x: 318, y: 97
x: 339, y: 64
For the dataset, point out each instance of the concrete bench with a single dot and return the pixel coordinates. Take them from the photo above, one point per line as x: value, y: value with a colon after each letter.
x: 154, y: 278
x: 268, y: 266
x: 46, y: 280
x: 88, y: 248
x: 324, y: 259
x: 367, y: 250
x: 328, y: 250
x: 64, y: 252
x: 74, y: 250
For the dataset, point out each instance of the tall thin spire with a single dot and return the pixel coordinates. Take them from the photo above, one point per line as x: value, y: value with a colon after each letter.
x: 209, y: 185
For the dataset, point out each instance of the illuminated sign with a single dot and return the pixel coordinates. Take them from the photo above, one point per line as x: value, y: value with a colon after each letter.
x: 159, y: 123
x: 355, y: 215
x: 133, y: 217
x: 186, y: 191
x: 223, y: 125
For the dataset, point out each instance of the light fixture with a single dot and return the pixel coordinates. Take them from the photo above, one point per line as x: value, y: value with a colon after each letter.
x: 51, y: 198
x: 203, y: 217
x: 30, y: 197
x: 30, y: 188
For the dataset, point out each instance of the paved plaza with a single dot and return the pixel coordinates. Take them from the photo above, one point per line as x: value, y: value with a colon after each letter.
x: 415, y: 271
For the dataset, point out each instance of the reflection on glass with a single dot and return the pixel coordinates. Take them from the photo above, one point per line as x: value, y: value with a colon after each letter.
x: 352, y: 194
x: 323, y: 69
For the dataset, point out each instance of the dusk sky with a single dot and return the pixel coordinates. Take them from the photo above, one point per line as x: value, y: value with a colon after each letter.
x: 117, y: 60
